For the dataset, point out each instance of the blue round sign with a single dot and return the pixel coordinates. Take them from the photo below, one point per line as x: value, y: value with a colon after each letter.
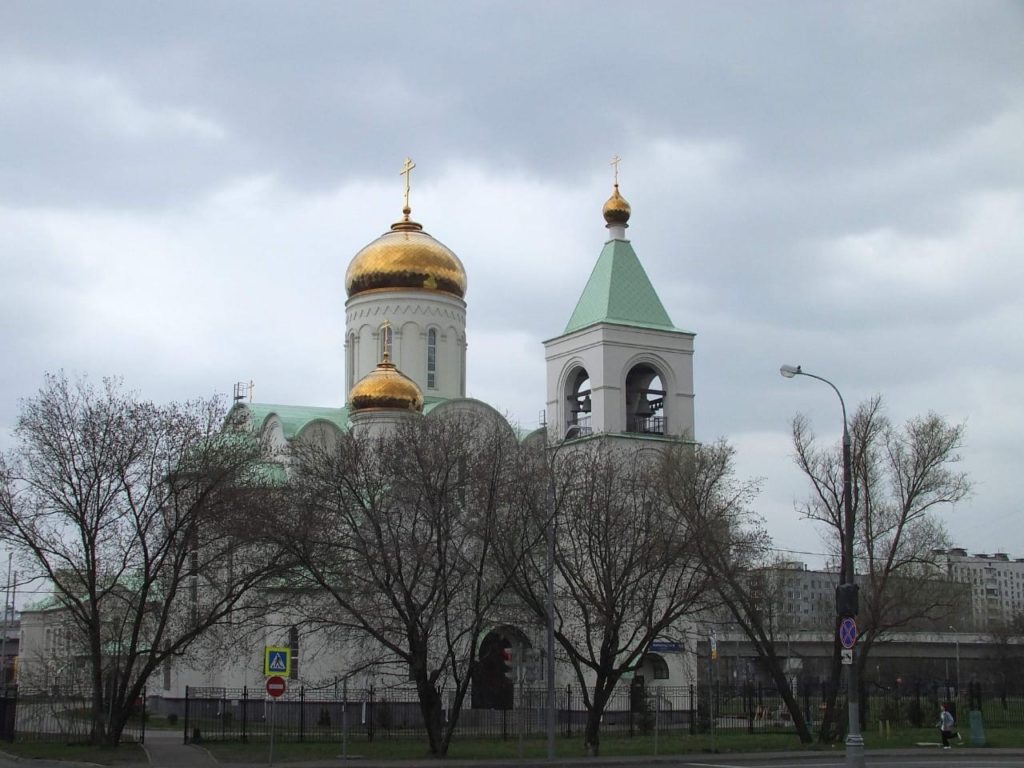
x: 848, y: 632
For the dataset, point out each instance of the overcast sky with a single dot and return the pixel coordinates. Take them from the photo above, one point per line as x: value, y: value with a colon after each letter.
x: 838, y: 185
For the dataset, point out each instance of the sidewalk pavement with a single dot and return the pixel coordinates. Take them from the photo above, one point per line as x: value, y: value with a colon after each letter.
x: 166, y: 750
x: 171, y: 753
x: 781, y: 759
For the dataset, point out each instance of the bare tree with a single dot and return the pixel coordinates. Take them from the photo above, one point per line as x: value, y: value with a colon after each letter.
x: 626, y: 568
x: 902, y: 476
x: 133, y: 512
x: 1004, y: 651
x: 734, y: 548
x: 750, y: 584
x: 398, y: 538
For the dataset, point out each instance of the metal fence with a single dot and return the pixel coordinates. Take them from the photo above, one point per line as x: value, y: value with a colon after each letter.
x: 43, y: 716
x: 244, y: 714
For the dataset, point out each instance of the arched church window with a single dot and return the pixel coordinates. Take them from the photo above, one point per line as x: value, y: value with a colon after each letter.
x: 645, y: 400
x: 659, y: 667
x: 293, y: 644
x: 432, y: 358
x: 578, y: 403
x: 351, y: 360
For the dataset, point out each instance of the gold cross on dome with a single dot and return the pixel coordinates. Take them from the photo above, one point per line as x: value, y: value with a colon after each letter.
x: 407, y: 172
x: 615, y: 164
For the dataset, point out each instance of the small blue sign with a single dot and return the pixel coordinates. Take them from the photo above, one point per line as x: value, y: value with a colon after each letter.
x: 848, y: 632
x: 664, y: 646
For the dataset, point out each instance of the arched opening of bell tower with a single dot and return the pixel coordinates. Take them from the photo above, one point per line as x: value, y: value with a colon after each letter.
x: 645, y: 400
x: 578, y: 402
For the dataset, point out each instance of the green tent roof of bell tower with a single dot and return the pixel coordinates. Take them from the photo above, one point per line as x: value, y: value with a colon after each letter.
x: 619, y: 292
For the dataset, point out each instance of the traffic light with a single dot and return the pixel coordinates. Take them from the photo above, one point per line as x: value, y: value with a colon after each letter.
x: 847, y: 602
x: 508, y: 665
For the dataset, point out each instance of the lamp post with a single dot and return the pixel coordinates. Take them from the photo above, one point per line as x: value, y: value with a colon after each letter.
x: 854, y: 739
x: 552, y: 725
x: 956, y: 641
x: 550, y: 568
x: 3, y: 639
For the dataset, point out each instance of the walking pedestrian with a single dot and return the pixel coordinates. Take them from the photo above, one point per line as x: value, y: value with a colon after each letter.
x: 947, y: 725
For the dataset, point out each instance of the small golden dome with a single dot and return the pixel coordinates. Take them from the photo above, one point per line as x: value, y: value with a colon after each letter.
x: 616, y: 210
x: 406, y: 257
x: 385, y: 387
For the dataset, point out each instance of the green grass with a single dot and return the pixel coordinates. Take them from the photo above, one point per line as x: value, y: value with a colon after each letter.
x: 495, y: 749
x: 32, y: 750
x: 994, y: 737
x: 488, y: 749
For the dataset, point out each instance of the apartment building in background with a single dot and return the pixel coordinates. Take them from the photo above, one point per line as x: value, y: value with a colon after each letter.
x: 996, y: 582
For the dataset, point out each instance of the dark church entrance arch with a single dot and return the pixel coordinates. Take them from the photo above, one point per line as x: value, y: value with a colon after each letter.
x: 492, y: 675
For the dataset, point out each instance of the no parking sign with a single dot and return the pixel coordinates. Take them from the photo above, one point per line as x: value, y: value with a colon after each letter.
x: 848, y: 632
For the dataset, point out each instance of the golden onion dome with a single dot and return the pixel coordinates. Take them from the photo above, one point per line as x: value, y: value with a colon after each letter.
x: 406, y: 257
x: 616, y: 210
x: 385, y: 387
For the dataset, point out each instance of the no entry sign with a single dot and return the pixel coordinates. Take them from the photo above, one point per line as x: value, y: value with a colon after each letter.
x: 276, y: 686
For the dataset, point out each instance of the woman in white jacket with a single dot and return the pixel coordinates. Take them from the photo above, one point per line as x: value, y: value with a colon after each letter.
x: 947, y: 724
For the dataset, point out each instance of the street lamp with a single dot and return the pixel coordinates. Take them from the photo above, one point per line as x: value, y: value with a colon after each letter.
x: 956, y: 641
x: 854, y: 739
x: 552, y: 725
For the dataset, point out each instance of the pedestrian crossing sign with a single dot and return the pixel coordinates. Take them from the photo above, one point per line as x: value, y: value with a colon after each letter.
x: 277, y: 661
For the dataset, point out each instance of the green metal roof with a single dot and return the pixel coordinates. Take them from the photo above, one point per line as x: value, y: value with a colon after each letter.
x: 294, y: 417
x: 46, y: 604
x: 619, y: 292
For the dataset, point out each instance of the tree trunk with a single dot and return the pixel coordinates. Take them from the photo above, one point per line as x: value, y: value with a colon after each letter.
x: 454, y: 710
x: 592, y: 732
x: 430, y: 709
x: 790, y: 700
x: 98, y: 709
x: 861, y: 661
x: 828, y: 731
x: 118, y: 720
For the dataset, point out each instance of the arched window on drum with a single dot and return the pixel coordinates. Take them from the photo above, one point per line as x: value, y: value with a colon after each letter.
x: 432, y: 358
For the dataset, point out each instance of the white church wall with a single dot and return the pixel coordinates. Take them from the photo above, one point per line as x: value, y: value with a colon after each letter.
x: 411, y: 313
x: 409, y: 350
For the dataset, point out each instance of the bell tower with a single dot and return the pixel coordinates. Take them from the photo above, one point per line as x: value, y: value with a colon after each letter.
x: 620, y: 366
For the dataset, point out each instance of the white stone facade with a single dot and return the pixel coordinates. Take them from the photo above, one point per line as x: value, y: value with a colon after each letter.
x: 420, y: 319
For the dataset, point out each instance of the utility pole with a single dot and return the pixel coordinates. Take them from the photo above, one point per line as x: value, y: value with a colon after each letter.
x: 3, y: 642
x: 846, y: 593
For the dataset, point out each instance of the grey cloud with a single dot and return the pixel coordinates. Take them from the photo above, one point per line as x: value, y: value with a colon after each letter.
x: 314, y: 92
x: 759, y: 142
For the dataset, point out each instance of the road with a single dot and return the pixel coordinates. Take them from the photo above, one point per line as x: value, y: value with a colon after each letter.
x: 189, y: 757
